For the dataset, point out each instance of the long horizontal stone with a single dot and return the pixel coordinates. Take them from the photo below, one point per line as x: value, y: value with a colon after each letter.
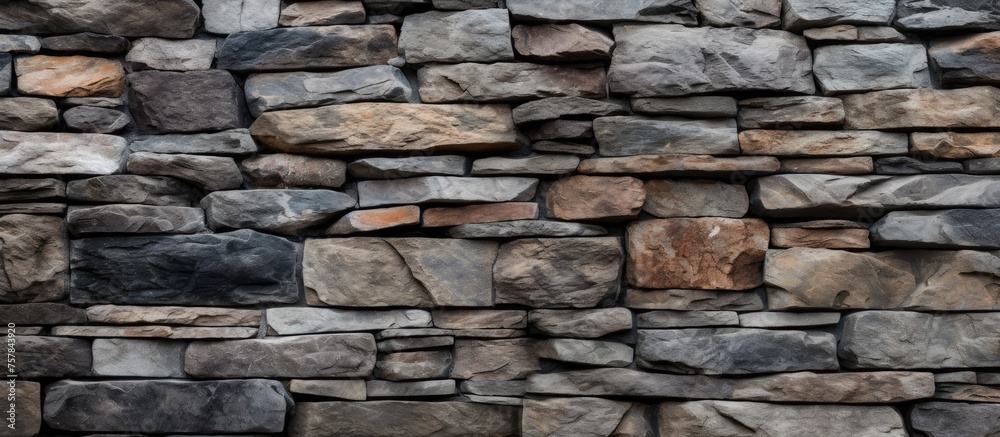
x: 388, y: 127
x: 126, y: 188
x: 955, y: 145
x: 52, y: 357
x: 193, y: 316
x: 27, y: 314
x: 156, y: 331
x: 19, y: 190
x: 582, y: 417
x: 798, y: 112
x: 132, y: 18
x: 31, y: 153
x: 945, y: 15
x: 495, y: 360
x: 693, y: 300
x: 134, y: 219
x: 411, y: 389
x: 508, y: 81
x: 403, y: 419
x: 804, y: 14
x: 308, y: 356
x: 274, y: 91
x: 924, y: 108
x: 955, y: 419
x: 211, y: 173
x: 298, y: 320
x: 34, y: 265
x: 236, y: 268
x: 350, y: 389
x: 445, y: 189
x: 680, y: 165
x: 558, y: 272
x: 526, y: 228
x: 686, y: 319
x: 280, y: 211
x: 245, y: 406
x: 711, y: 418
x: 138, y: 358
x: 307, y: 48
x: 822, y: 143
x: 622, y: 136
x: 592, y: 323
x: 586, y: 352
x: 656, y: 11
x: 230, y: 142
x: 953, y: 228
x: 967, y: 60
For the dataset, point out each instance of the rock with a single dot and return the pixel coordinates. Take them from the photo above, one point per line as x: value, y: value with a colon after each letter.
x: 561, y: 130
x: 134, y: 219
x: 530, y: 165
x: 375, y: 219
x: 19, y: 44
x: 235, y: 268
x: 246, y: 406
x: 867, y: 67
x: 559, y: 107
x: 680, y: 165
x: 493, y: 388
x: 904, y: 165
x: 389, y: 389
x: 193, y: 316
x: 15, y: 190
x: 955, y: 419
x: 33, y: 258
x: 895, y: 109
x: 131, y: 18
x: 477, y: 319
x: 802, y: 14
x: 598, y: 198
x: 562, y: 42
x: 299, y: 89
x: 734, y: 351
x: 31, y: 153
x: 820, y: 238
x: 582, y: 417
x: 855, y: 165
x: 308, y: 48
x: 419, y: 272
x: 295, y: 320
x: 281, y: 211
x: 232, y: 16
x: 558, y: 272
x: 636, y: 423
x: 741, y: 13
x: 69, y: 76
x: 622, y: 136
x: 52, y: 357
x: 938, y: 229
x: 350, y: 389
x: 456, y: 333
x: 508, y: 81
x: 686, y: 319
x: 390, y: 127
x: 821, y: 142
x: 95, y: 120
x: 403, y: 419
x: 165, y: 54
x: 710, y: 253
x: 593, y: 323
x: 479, y: 35
x: 149, y: 190
x: 967, y: 393
x: 230, y: 142
x: 525, y: 228
x: 485, y: 213
x: 655, y: 11
x: 27, y: 406
x: 695, y: 198
x: 811, y: 194
x: 705, y: 418
x: 155, y: 331
x: 627, y: 382
x: 42, y: 314
x: 6, y: 73
x: 495, y: 360
x: 28, y: 114
x: 790, y: 112
x: 211, y: 173
x: 671, y: 60
x: 327, y: 355
x: 841, y: 388
x: 416, y: 343
x: 284, y: 170
x: 695, y: 107
x: 403, y: 366
x: 907, y: 340
x: 445, y: 189
x: 847, y: 32
x: 395, y: 168
x: 90, y: 42
x: 785, y: 320
x: 586, y: 352
x: 982, y: 166
x: 963, y: 377
x: 940, y: 15
x: 165, y: 102
x: 464, y: 4
x: 693, y: 300
x: 138, y: 358
x: 33, y: 208
x: 322, y: 13
x: 967, y: 60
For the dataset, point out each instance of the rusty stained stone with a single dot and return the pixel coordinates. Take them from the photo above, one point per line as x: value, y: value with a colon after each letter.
x: 955, y: 145
x: 823, y: 238
x: 600, y: 198
x: 485, y: 213
x: 376, y: 219
x: 69, y: 76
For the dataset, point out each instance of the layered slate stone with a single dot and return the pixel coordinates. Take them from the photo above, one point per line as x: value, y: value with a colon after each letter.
x: 655, y: 11
x: 281, y: 211
x: 819, y: 142
x: 671, y: 60
x: 419, y: 272
x: 31, y: 153
x: 955, y: 419
x: 408, y: 366
x: 231, y: 16
x: 375, y: 219
x: 167, y: 315
x: 967, y: 60
x: 285, y: 170
x: 586, y: 352
x: 134, y: 219
x: 803, y: 14
x: 508, y: 81
x: 69, y: 76
x: 944, y: 15
x: 693, y: 300
x: 695, y: 106
x: 235, y: 268
x: 28, y: 114
x: 477, y: 35
x: 403, y: 419
x: 526, y: 228
x: 34, y: 265
x: 623, y: 136
x: 602, y: 198
x: 495, y: 360
x: 244, y: 406
x: 322, y: 13
x: 562, y: 42
x: 148, y: 190
x: 866, y: 67
x: 52, y: 357
x: 584, y: 417
x: 592, y: 323
x: 210, y: 173
x: 954, y: 228
x: 483, y: 213
x: 445, y: 189
x: 404, y: 167
x: 309, y: 356
x: 833, y: 238
x: 308, y: 48
x: 291, y: 321
x: 729, y: 351
x: 746, y: 418
x: 165, y: 54
x: 955, y: 145
x: 300, y: 89
x: 924, y: 108
x: 388, y: 127
x: 904, y: 165
x: 558, y: 272
x: 564, y: 107
x: 740, y: 13
x: 131, y: 18
x: 529, y: 165
x: 138, y: 358
x: 790, y: 112
x: 91, y: 42
x: 230, y: 142
x: 695, y: 198
x: 680, y: 165
x: 173, y: 102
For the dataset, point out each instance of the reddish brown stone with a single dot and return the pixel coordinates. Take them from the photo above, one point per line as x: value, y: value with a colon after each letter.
x: 375, y: 219
x: 69, y: 76
x: 825, y: 238
x: 562, y: 42
x: 595, y: 198
x: 486, y: 213
x: 953, y: 145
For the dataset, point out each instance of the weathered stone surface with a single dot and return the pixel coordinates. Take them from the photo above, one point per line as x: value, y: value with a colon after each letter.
x: 906, y: 340
x: 601, y: 198
x: 671, y: 60
x: 236, y: 268
x: 350, y: 389
x: 562, y: 42
x: 60, y: 153
x: 95, y: 120
x: 706, y: 418
x: 52, y: 357
x: 19, y: 44
x: 967, y: 60
x: 815, y: 194
x: 33, y: 259
x: 390, y: 127
x: 181, y: 102
x: 622, y: 136
x: 967, y: 393
x: 695, y: 198
x: 6, y: 73
x: 790, y: 112
x: 92, y: 42
x: 847, y: 32
x: 580, y: 323
x: 134, y: 219
x: 247, y: 406
x: 722, y: 351
x: 310, y: 356
x: 819, y: 142
x: 740, y: 13
x: 390, y: 389
x: 405, y: 366
x: 508, y: 81
x: 375, y: 219
x: 708, y: 253
x: 689, y: 300
x: 686, y: 319
x: 495, y: 360
x: 566, y: 417
x: 855, y: 165
x: 395, y: 168
x: 904, y: 165
x: 308, y: 48
x: 445, y: 189
x: 138, y: 358
x: 493, y: 388
x: 211, y: 173
x: 784, y: 320
x: 284, y: 170
x: 558, y: 272
x: 961, y: 377
x: 627, y: 382
x: 559, y: 107
x: 69, y: 76
x: 414, y: 333
x: 955, y: 419
x: 528, y: 165
x: 27, y: 409
x: 679, y: 165
x: 231, y: 16
x: 695, y: 107
x: 322, y: 13
x: 485, y: 213
x: 156, y: 331
x: 866, y: 67
x: 28, y: 114
x: 281, y: 211
x: 194, y: 316
x: 149, y: 190
x: 478, y: 35
x: 656, y: 11
x: 982, y: 166
x: 42, y: 314
x: 273, y: 91
x: 414, y: 343
x: 526, y: 228
x: 33, y: 208
x: 403, y: 419
x: 463, y: 4
x: 941, y: 15
x: 165, y: 54
x: 924, y: 108
x: 132, y: 18
x: 487, y: 319
x: 230, y: 142
x: 802, y: 14
x: 587, y: 352
x: 413, y: 272
x: 821, y: 238
x: 954, y: 228
x: 561, y: 130
x: 297, y: 320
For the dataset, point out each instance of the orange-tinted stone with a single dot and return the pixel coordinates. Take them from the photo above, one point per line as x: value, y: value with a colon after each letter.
x: 602, y: 198
x: 375, y: 219
x: 487, y: 213
x: 69, y: 76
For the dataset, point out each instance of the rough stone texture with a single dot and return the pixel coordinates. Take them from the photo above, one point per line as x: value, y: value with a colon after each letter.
x: 802, y: 14
x: 172, y: 102
x: 693, y: 300
x: 485, y: 213
x: 908, y: 340
x: 149, y: 190
x: 52, y: 357
x: 375, y: 219
x: 587, y: 352
x: 822, y: 238
x: 562, y: 42
x: 322, y: 13
x: 508, y: 81
x: 495, y: 360
x: 246, y: 406
x: 155, y: 331
x: 955, y: 419
x: 350, y: 389
x: 274, y: 91
x: 705, y: 418
x: 230, y: 142
x: 559, y: 107
x: 622, y: 136
x: 525, y: 228
x: 686, y: 319
x: 680, y: 165
x: 15, y: 190
x: 695, y: 198
x: 69, y: 76
x: 941, y: 15
x: 856, y: 165
x: 740, y: 13
x: 848, y: 32
x: 327, y: 355
x: 583, y: 417
x: 394, y: 168
x: 93, y: 42
x: 580, y: 323
x: 790, y: 112
x: 924, y: 108
x: 193, y: 316
x: 138, y: 358
x: 33, y: 258
x: 280, y: 211
x: 466, y: 319
x: 866, y: 67
x: 165, y: 54
x: 28, y: 408
x: 406, y: 366
x: 95, y: 120
x: 529, y: 165
x: 235, y: 268
x: 231, y: 16
x: 307, y: 48
x: 955, y: 228
x: 20, y: 44
x: 445, y: 189
x: 967, y: 60
x: 390, y: 389
x: 781, y: 320
x: 478, y: 35
x: 904, y: 165
x: 28, y: 114
x: 42, y: 314
x: 283, y: 170
x: 696, y: 106
x: 291, y: 321
x: 134, y: 219
x: 816, y: 142
x: 32, y: 153
x: 132, y: 18
x: 414, y: 343
x: 656, y: 61
x: 403, y: 419
x: 6, y: 73
x: 655, y: 11
x: 558, y: 273
x: 211, y: 173
x: 600, y: 198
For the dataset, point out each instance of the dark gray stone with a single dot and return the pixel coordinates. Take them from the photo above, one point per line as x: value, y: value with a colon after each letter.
x: 869, y: 67
x: 627, y: 382
x: 52, y: 357
x: 134, y: 219
x: 167, y: 406
x: 95, y: 120
x: 967, y: 60
x: 714, y: 418
x: 656, y: 11
x: 695, y: 107
x: 904, y: 165
x: 790, y: 112
x: 309, y: 356
x: 27, y: 113
x: 131, y: 18
x: 308, y: 48
x: 480, y: 35
x: 18, y: 190
x: 28, y: 314
x: 406, y: 366
x: 6, y: 73
x: 415, y: 343
x: 956, y: 419
x: 394, y: 168
x: 149, y: 190
x: 236, y: 268
x: 803, y: 14
x: 558, y: 272
x: 526, y: 228
x: 230, y: 142
x: 377, y: 83
x: 693, y: 300
x: 564, y: 107
x: 211, y: 173
x: 86, y: 42
x: 173, y: 102
x: 982, y: 166
x: 624, y: 136
x: 948, y: 15
x: 404, y: 419
x: 509, y: 81
x: 280, y: 211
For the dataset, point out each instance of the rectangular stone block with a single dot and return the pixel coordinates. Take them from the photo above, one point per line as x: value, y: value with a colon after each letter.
x: 924, y: 108
x: 656, y: 11
x: 508, y: 81
x: 299, y: 320
x: 623, y: 136
x: 495, y: 360
x: 33, y: 258
x: 138, y: 358
x: 822, y: 143
x: 445, y: 189
x: 310, y: 356
x: 711, y: 418
x: 50, y: 153
x: 403, y: 419
x: 307, y: 48
x: 558, y: 272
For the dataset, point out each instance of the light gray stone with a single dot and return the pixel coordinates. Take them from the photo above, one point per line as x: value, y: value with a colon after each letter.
x: 406, y: 366
x: 803, y: 14
x: 954, y: 228
x: 299, y: 89
x: 787, y: 320
x: 394, y: 168
x: 790, y: 112
x: 558, y: 272
x: 172, y: 315
x: 558, y: 107
x: 350, y: 389
x: 945, y: 15
x: 211, y: 173
x: 138, y: 358
x: 17, y: 190
x: 656, y: 11
x: 231, y: 16
x: 710, y: 418
x: 281, y: 211
x: 234, y: 142
x: 739, y: 13
x: 493, y: 388
x: 868, y: 67
x: 134, y: 219
x: 628, y: 382
x: 27, y: 113
x: 479, y: 35
x: 571, y: 417
x: 403, y: 419
x: 298, y: 320
x: 686, y: 319
x: 623, y: 136
x: 149, y: 190
x: 529, y: 165
x: 308, y: 356
x: 322, y: 13
x: 586, y: 352
x: 19, y: 44
x: 445, y: 189
x: 95, y: 120
x: 167, y: 54
x: 526, y: 228
x: 29, y: 153
x: 414, y: 343
x: 509, y: 81
x: 391, y: 389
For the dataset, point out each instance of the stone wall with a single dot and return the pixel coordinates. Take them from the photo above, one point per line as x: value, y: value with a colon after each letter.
x: 485, y: 218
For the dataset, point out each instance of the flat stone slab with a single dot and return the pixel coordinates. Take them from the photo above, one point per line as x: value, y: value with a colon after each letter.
x: 867, y: 67
x: 307, y: 48
x: 707, y: 418
x: 156, y: 331
x: 167, y: 315
x: 680, y: 165
x: 591, y: 323
x: 445, y: 189
x: 53, y: 357
x: 281, y: 211
x: 274, y: 91
x: 131, y: 18
x: 38, y: 153
x: 34, y: 265
x: 939, y: 229
x: 955, y: 419
x: 693, y: 300
x: 944, y: 15
x: 508, y: 81
x: 630, y: 135
x: 495, y: 360
x: 822, y: 143
x: 656, y: 11
x: 309, y: 356
x: 475, y: 35
x: 558, y: 272
x: 526, y: 228
x: 231, y: 142
x: 138, y: 358
x: 804, y: 14
x: 298, y: 320
x: 136, y: 189
x: 403, y: 419
x: 923, y: 108
x: 350, y: 389
x: 134, y: 219
x: 797, y: 112
x: 583, y: 417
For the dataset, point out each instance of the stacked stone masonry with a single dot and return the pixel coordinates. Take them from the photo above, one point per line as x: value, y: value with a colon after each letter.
x: 579, y: 218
